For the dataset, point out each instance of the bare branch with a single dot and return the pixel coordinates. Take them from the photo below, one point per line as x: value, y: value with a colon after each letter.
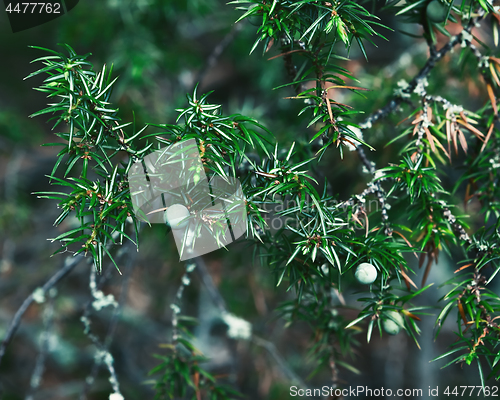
x: 69, y: 264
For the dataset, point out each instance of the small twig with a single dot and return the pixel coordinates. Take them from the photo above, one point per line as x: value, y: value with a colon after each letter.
x: 210, y: 285
x: 103, y: 354
x: 374, y: 187
x: 114, y: 320
x: 273, y: 351
x: 36, y: 376
x: 176, y: 305
x: 217, y: 51
x: 69, y: 264
x: 452, y: 220
x: 423, y: 127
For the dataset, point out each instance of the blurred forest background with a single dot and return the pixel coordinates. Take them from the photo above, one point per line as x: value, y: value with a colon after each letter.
x: 161, y: 49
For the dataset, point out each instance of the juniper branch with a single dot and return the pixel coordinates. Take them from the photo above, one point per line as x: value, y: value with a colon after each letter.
x: 423, y: 73
x: 435, y: 56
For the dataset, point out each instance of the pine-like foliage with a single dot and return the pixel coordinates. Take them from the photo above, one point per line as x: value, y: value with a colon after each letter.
x: 321, y: 239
